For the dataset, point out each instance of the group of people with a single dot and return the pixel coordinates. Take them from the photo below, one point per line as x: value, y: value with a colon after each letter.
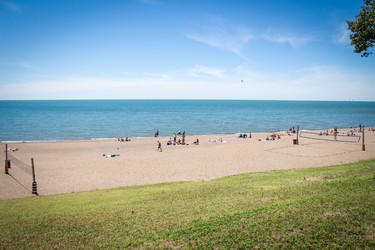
x: 351, y: 132
x: 273, y: 137
x: 175, y: 140
x: 328, y: 132
x: 122, y: 139
x: 179, y: 141
x: 244, y: 136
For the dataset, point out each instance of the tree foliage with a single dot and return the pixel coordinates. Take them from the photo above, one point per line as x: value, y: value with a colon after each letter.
x: 363, y: 29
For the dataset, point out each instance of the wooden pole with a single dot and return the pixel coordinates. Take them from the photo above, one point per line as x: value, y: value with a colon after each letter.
x: 297, y: 134
x: 363, y: 138
x: 34, y: 186
x: 6, y: 159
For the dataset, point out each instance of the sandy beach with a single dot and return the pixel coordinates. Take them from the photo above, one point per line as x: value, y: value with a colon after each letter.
x: 74, y: 166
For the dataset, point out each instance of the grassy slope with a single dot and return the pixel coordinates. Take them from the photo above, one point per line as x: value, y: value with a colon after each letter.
x: 332, y: 207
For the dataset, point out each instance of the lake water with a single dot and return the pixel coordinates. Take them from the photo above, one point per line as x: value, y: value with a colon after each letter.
x: 87, y: 119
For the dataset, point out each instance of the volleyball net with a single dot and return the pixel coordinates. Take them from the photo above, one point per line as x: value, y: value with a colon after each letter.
x: 23, y: 173
x: 325, y: 135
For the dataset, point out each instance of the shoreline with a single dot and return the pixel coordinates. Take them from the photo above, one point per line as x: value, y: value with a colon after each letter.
x: 79, y: 165
x: 161, y: 136
x: 116, y: 138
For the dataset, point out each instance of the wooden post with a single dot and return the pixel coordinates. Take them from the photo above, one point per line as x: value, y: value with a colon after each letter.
x: 6, y: 159
x: 363, y: 138
x: 34, y: 186
x: 297, y: 134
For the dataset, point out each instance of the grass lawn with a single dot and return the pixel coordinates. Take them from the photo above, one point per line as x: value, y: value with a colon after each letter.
x: 327, y: 208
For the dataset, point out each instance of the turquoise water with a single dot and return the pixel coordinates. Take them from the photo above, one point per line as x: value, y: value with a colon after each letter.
x: 86, y: 119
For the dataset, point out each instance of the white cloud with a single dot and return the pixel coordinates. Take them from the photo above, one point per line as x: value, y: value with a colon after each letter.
x: 324, y: 82
x: 332, y: 82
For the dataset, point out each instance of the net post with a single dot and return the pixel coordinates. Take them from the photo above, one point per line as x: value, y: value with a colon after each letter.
x: 295, y: 141
x: 297, y: 134
x: 34, y: 186
x: 6, y: 160
x: 363, y: 138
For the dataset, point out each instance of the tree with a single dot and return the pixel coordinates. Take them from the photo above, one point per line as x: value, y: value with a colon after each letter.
x: 363, y: 29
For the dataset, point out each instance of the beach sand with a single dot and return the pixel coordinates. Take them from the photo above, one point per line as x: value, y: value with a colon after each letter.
x: 74, y: 166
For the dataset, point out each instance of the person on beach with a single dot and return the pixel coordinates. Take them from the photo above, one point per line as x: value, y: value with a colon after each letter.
x: 335, y: 133
x: 170, y: 142
x: 159, y: 147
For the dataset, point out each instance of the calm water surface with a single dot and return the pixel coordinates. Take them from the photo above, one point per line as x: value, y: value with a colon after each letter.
x: 86, y: 119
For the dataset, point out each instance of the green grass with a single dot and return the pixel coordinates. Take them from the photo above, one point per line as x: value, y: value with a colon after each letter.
x: 317, y: 208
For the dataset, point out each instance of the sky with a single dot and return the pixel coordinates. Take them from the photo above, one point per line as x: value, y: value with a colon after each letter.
x: 181, y: 49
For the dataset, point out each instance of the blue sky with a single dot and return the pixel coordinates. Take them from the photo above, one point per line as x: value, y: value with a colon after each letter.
x: 181, y: 49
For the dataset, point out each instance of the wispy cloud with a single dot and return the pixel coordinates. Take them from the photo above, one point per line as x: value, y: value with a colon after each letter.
x: 236, y: 38
x: 292, y: 40
x: 203, y: 71
x: 342, y: 35
x: 232, y: 39
x: 10, y: 6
